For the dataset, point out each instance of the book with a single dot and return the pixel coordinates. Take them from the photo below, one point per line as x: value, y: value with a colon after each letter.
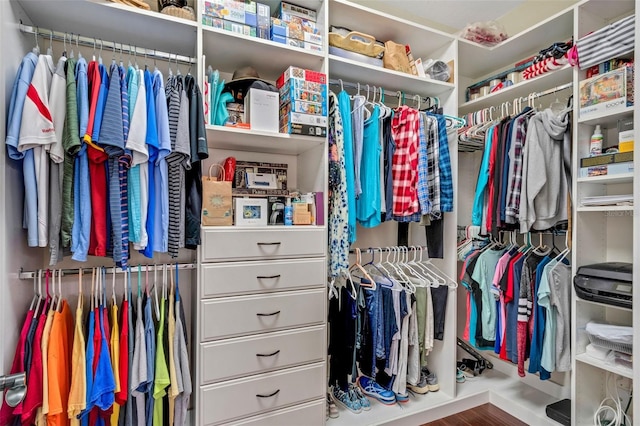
x: 258, y: 192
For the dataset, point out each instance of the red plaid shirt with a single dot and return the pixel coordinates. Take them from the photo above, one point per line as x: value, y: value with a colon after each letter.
x: 405, y: 130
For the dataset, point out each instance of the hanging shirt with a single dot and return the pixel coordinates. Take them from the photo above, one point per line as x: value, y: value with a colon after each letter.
x: 71, y: 145
x: 115, y: 361
x: 161, y: 375
x: 161, y: 178
x: 150, y: 342
x: 124, y: 164
x: 90, y: 355
x: 368, y: 205
x: 123, y: 359
x: 405, y: 161
x: 423, y: 169
x: 173, y: 372
x: 60, y: 367
x: 153, y: 146
x: 46, y: 333
x: 136, y: 130
x: 102, y: 395
x: 58, y: 107
x: 182, y: 401
x: 483, y: 179
x: 78, y: 386
x: 81, y: 229
x: 33, y: 398
x: 444, y: 164
x: 483, y: 272
x: 344, y: 106
x: 16, y: 104
x: 139, y: 371
x: 357, y: 121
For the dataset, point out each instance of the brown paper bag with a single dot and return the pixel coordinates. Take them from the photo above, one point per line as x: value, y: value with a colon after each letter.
x: 217, y: 202
x: 395, y: 57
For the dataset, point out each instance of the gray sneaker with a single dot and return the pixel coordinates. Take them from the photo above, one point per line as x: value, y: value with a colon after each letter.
x: 432, y: 380
x: 428, y: 382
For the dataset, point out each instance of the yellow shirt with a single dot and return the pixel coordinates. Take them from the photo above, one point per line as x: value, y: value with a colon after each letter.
x: 78, y: 392
x: 173, y: 390
x: 42, y: 411
x: 115, y: 360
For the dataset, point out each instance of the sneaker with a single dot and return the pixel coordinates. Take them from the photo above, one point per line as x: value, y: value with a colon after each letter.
x: 374, y: 390
x: 332, y: 410
x: 402, y: 399
x: 422, y: 387
x: 344, y: 399
x: 432, y: 380
x: 460, y: 376
x: 357, y: 394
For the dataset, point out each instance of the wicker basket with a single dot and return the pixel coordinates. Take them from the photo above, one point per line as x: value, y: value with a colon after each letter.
x: 625, y: 348
x: 180, y: 12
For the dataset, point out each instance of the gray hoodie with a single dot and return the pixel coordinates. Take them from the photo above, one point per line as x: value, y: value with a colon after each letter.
x: 546, y: 176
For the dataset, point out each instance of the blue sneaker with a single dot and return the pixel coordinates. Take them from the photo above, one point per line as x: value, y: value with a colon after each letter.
x: 357, y: 394
x: 344, y: 399
x: 374, y: 390
x: 402, y: 399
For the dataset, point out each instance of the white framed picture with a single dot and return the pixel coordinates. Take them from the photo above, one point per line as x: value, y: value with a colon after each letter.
x: 251, y: 211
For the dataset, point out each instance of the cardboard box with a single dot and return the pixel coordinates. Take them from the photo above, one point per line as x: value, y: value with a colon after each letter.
x: 276, y: 210
x: 229, y: 26
x: 263, y: 28
x: 302, y: 214
x: 302, y: 74
x: 303, y: 124
x: 607, y: 169
x: 608, y: 92
x: 303, y: 90
x: 261, y: 110
x: 314, y: 108
x: 287, y: 10
x: 239, y: 11
x: 625, y: 134
x: 244, y: 167
x: 278, y: 38
x: 295, y: 31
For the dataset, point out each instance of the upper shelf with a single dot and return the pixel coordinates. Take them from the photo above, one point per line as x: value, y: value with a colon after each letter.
x: 115, y: 22
x: 224, y: 137
x: 354, y: 71
x: 477, y: 61
x: 607, y: 118
x: 424, y: 41
x: 228, y: 51
x: 522, y: 89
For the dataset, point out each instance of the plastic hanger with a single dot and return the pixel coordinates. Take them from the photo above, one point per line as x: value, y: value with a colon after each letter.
x: 332, y: 290
x: 78, y: 46
x: 36, y: 48
x: 139, y: 281
x: 177, y: 284
x: 50, y: 48
x: 358, y: 267
x: 155, y: 289
x: 40, y: 298
x: 384, y: 274
x: 80, y: 298
x: 113, y: 287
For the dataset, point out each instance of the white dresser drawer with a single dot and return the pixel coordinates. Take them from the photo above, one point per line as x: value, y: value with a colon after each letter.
x: 232, y: 278
x: 240, y: 315
x: 245, y: 397
x: 231, y: 358
x: 237, y: 244
x: 309, y: 414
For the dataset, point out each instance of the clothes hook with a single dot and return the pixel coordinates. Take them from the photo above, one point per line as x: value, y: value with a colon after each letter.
x: 367, y: 92
x: 399, y: 94
x: 382, y: 94
x: 341, y: 85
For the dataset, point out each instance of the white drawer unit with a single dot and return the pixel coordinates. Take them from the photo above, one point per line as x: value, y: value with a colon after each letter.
x: 239, y: 398
x: 312, y: 413
x: 241, y: 315
x: 234, y: 278
x: 254, y: 244
x: 231, y: 358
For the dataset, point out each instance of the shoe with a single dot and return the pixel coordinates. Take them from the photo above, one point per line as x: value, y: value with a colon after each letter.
x: 422, y: 387
x: 374, y: 390
x: 432, y: 380
x: 332, y: 410
x: 344, y: 399
x: 402, y: 399
x: 357, y: 394
x: 460, y: 376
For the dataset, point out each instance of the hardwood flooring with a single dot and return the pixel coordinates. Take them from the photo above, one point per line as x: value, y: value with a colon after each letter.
x: 486, y: 414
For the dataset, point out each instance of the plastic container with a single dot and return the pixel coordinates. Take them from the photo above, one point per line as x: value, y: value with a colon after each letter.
x: 288, y: 213
x: 595, y: 147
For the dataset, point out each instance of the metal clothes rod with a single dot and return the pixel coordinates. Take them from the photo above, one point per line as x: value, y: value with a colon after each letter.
x: 76, y: 39
x: 392, y: 93
x: 26, y: 275
x: 553, y: 90
x: 387, y: 249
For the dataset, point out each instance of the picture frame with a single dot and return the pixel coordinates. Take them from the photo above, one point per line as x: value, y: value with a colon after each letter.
x: 251, y: 211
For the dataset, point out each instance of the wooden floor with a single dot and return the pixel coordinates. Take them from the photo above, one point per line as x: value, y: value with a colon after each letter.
x: 486, y: 414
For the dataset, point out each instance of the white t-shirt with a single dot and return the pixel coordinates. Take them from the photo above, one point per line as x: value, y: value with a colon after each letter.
x: 58, y: 108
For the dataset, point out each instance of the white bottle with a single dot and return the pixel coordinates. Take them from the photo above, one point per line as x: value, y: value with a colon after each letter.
x: 595, y: 147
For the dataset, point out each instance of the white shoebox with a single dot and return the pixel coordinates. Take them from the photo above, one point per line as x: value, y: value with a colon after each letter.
x: 261, y: 110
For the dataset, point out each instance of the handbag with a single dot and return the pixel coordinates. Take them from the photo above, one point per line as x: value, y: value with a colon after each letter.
x: 217, y: 201
x: 395, y: 57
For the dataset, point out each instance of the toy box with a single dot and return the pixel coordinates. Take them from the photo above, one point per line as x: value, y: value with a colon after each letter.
x: 313, y: 108
x: 295, y: 30
x: 303, y: 90
x: 240, y: 11
x: 302, y: 74
x: 263, y: 12
x: 609, y: 92
x: 287, y: 10
x: 229, y: 26
x: 303, y: 124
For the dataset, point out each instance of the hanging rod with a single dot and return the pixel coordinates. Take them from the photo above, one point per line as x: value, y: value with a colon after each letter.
x: 27, y: 275
x: 553, y: 90
x: 76, y: 39
x: 387, y: 249
x: 387, y: 92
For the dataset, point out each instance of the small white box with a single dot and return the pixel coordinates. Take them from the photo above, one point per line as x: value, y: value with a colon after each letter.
x: 261, y: 110
x: 251, y: 211
x: 262, y: 180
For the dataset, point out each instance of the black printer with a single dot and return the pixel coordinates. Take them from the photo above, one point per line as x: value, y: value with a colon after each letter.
x: 609, y: 282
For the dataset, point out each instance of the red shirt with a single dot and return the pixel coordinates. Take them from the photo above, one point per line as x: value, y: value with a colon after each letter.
x: 121, y: 397
x: 491, y: 182
x: 405, y: 130
x: 33, y: 399
x: 6, y: 412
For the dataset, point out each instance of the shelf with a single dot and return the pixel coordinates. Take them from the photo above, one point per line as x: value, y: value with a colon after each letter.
x: 606, y: 119
x: 604, y: 209
x: 608, y: 179
x: 602, y: 305
x: 222, y: 137
x: 478, y: 61
x: 228, y: 51
x: 424, y: 41
x: 522, y: 89
x: 607, y: 11
x: 355, y: 71
x: 586, y: 359
x: 117, y: 23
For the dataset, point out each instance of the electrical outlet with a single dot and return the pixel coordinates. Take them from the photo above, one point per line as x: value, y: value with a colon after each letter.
x: 624, y: 383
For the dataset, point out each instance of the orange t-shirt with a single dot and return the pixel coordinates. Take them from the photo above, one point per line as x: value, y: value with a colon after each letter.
x: 59, y: 366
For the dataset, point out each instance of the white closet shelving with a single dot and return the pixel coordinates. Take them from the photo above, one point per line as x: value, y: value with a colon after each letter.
x: 601, y: 234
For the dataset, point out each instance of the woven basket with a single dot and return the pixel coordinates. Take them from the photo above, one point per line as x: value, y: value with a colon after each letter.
x: 354, y: 41
x: 180, y: 12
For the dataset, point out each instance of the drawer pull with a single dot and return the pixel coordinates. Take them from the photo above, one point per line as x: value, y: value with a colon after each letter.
x: 268, y: 277
x: 268, y: 315
x: 268, y: 396
x: 277, y: 243
x: 268, y: 355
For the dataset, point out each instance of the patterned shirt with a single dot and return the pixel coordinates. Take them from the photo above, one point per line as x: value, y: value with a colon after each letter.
x: 405, y: 127
x: 433, y: 171
x: 444, y: 163
x: 512, y: 209
x: 423, y: 186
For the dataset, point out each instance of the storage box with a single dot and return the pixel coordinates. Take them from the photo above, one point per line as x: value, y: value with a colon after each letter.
x: 354, y: 56
x: 607, y: 169
x: 229, y: 26
x: 302, y: 214
x: 286, y: 11
x: 261, y: 110
x: 251, y: 211
x: 608, y: 92
x: 297, y: 89
x: 303, y: 124
x: 263, y: 28
x: 314, y: 108
x: 302, y: 74
x: 244, y: 167
x: 240, y: 11
x: 625, y: 134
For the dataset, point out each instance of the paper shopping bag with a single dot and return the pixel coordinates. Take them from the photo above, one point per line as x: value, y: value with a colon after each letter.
x: 217, y: 203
